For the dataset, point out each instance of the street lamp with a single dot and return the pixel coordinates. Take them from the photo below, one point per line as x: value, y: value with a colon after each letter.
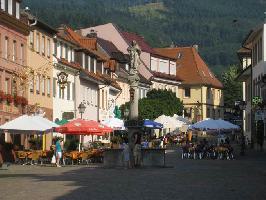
x: 81, y: 109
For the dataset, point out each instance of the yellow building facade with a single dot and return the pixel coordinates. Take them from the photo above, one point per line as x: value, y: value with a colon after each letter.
x: 200, y: 91
x: 40, y: 72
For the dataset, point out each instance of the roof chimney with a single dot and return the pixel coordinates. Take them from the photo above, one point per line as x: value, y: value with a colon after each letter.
x: 196, y: 47
x: 92, y: 34
x: 172, y: 45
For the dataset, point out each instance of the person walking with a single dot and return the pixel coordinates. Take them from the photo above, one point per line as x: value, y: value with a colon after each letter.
x: 58, y: 150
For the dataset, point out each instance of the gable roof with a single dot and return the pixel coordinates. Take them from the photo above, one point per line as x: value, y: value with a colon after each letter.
x: 191, y: 67
x: 129, y: 37
x: 85, y: 43
x: 166, y: 76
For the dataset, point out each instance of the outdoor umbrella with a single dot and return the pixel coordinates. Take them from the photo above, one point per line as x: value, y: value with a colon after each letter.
x: 169, y: 123
x: 210, y: 124
x: 152, y: 124
x: 114, y: 123
x: 206, y: 124
x: 182, y: 119
x: 80, y: 127
x: 27, y: 123
x: 227, y: 125
x: 83, y: 127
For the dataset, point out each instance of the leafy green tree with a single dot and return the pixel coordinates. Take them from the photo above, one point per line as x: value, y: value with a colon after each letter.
x: 157, y: 103
x: 232, y: 88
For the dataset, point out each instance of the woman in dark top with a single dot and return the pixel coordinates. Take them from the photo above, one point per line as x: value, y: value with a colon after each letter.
x: 7, y: 153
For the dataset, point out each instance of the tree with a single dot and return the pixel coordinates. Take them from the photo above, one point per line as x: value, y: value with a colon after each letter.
x: 232, y: 88
x: 157, y: 103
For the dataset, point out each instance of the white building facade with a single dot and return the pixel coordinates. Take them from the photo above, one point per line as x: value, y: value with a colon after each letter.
x: 255, y: 84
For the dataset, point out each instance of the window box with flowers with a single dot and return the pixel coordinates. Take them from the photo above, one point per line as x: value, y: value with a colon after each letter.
x: 9, y: 98
x: 2, y: 96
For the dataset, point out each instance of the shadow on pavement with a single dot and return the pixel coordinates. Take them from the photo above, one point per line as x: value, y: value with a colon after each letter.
x: 189, y: 179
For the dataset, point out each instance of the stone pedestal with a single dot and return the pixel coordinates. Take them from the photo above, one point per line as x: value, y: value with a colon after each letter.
x: 150, y: 158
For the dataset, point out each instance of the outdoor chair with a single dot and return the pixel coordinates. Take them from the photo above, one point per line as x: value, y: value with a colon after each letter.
x: 185, y: 152
x: 75, y: 157
x: 84, y: 158
x: 67, y: 158
x: 21, y: 156
x: 35, y: 157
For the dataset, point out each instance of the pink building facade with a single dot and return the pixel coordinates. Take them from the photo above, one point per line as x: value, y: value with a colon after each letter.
x: 119, y: 38
x: 13, y: 58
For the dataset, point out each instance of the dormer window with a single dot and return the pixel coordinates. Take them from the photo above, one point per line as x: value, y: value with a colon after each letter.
x: 17, y: 10
x: 172, y: 68
x: 3, y: 4
x: 10, y: 7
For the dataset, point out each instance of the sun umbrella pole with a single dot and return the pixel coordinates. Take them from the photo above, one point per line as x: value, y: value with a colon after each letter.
x: 79, y: 143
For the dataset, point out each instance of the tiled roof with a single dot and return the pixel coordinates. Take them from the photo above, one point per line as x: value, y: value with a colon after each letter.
x: 144, y: 80
x: 166, y: 76
x: 108, y: 46
x: 74, y: 65
x: 64, y: 35
x: 89, y: 44
x: 104, y: 78
x: 92, y: 75
x: 129, y: 37
x: 110, y: 81
x: 190, y: 66
x: 244, y: 51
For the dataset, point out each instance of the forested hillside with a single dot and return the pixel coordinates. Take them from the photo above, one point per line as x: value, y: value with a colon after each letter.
x: 217, y: 26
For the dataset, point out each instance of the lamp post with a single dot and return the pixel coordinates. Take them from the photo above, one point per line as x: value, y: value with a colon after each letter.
x: 81, y: 109
x: 242, y: 106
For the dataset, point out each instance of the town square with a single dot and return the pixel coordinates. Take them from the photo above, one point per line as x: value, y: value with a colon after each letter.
x: 139, y: 99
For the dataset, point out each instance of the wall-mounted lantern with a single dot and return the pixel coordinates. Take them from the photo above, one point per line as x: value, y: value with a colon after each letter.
x: 62, y: 79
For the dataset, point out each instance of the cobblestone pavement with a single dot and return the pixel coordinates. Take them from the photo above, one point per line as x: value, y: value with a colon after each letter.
x: 244, y: 178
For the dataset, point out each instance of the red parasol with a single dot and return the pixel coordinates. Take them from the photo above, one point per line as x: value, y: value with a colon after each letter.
x: 83, y: 127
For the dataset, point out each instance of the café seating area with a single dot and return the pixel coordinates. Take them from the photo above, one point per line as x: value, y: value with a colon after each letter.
x: 198, y: 151
x: 40, y: 157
